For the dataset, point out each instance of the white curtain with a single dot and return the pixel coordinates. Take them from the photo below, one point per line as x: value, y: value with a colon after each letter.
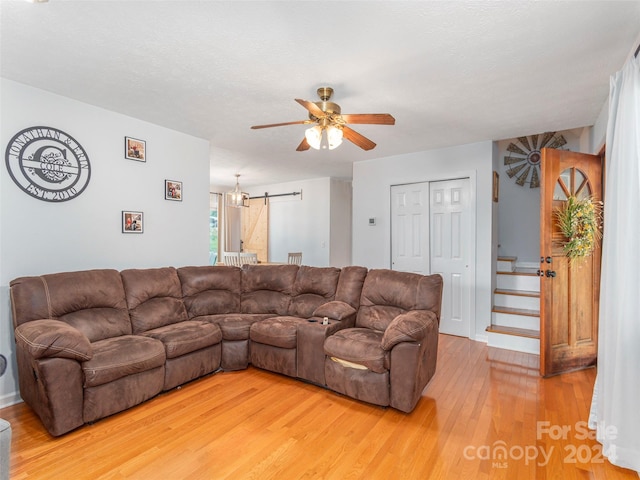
x: 215, y: 204
x: 232, y: 226
x: 615, y: 407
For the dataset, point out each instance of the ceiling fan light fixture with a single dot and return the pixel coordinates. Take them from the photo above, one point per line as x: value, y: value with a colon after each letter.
x: 334, y: 137
x: 323, y: 137
x: 314, y: 136
x: 331, y: 124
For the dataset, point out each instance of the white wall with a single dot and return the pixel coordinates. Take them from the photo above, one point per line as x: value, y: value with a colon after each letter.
x: 495, y: 219
x: 309, y: 223
x: 340, y: 240
x: 599, y: 131
x: 372, y: 180
x: 38, y: 237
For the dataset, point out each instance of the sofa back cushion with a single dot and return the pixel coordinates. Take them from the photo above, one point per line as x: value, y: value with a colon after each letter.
x: 350, y: 285
x: 267, y: 288
x: 388, y: 293
x: 210, y: 290
x: 154, y: 298
x: 313, y: 287
x: 92, y: 301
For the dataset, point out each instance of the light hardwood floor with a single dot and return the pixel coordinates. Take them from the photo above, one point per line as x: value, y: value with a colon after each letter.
x: 254, y: 424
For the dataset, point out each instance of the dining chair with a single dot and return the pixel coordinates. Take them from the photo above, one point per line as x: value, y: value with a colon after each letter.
x: 231, y: 258
x: 248, y: 258
x: 295, y: 258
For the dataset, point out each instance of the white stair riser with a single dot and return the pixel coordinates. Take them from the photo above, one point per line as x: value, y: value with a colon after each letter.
x: 506, y: 266
x: 532, y: 265
x: 518, y: 282
x: 519, y: 321
x: 516, y: 301
x: 512, y: 342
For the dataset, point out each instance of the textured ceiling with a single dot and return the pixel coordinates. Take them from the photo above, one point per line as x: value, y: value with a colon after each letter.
x: 449, y: 72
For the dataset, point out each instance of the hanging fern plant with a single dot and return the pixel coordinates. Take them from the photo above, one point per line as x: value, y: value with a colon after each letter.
x: 580, y: 221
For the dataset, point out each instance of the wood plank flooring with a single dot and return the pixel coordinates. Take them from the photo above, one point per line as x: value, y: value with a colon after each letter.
x: 478, y: 419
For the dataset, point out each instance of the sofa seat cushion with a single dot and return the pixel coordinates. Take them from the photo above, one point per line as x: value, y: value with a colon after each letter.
x: 361, y: 346
x: 277, y: 331
x: 186, y: 337
x: 118, y: 357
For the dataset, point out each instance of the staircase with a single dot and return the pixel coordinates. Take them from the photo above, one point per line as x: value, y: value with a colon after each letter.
x: 515, y: 316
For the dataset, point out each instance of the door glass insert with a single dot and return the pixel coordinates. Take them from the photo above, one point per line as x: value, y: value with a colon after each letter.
x: 583, y: 189
x: 559, y: 191
x: 572, y: 182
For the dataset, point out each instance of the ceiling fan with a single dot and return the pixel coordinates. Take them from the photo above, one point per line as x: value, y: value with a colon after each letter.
x: 331, y: 125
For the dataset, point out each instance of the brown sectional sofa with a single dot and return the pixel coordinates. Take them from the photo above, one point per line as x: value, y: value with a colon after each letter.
x: 93, y: 343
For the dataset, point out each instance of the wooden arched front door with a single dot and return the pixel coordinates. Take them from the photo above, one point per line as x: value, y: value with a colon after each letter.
x: 569, y: 294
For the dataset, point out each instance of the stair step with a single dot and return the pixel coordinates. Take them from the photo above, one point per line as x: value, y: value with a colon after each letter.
x: 499, y: 319
x: 511, y: 342
x: 529, y: 301
x: 516, y: 311
x: 518, y: 332
x: 533, y: 272
x: 520, y: 293
x: 516, y: 339
x: 519, y: 280
x: 515, y: 314
x: 506, y: 264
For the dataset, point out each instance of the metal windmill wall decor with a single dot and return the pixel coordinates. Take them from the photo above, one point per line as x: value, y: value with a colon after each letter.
x: 526, y: 168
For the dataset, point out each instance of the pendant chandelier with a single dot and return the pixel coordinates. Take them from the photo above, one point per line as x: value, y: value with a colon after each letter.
x: 236, y: 197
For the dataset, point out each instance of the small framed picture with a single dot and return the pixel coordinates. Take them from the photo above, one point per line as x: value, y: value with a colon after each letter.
x: 496, y: 186
x: 132, y: 222
x: 135, y: 149
x: 173, y: 190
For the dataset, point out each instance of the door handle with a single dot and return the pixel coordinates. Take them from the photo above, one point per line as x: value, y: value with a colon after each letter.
x: 548, y: 259
x: 540, y: 273
x: 550, y: 273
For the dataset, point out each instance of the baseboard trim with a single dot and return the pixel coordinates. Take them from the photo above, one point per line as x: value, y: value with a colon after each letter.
x: 484, y: 338
x: 10, y: 399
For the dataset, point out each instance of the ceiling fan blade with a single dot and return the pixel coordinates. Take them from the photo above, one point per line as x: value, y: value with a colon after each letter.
x: 315, y: 110
x: 370, y: 118
x: 360, y: 140
x: 304, y: 145
x: 299, y: 122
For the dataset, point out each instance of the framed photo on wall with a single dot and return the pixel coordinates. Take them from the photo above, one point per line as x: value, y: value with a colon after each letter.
x: 135, y: 149
x: 132, y: 222
x: 173, y: 190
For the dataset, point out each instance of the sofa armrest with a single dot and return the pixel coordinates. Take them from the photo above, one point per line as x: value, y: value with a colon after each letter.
x: 53, y: 338
x: 408, y: 327
x: 335, y: 310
